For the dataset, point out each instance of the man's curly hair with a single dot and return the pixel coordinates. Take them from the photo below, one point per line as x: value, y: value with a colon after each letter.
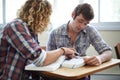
x: 36, y: 14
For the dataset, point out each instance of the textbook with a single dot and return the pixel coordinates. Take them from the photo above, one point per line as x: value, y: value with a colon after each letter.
x: 61, y: 62
x: 51, y: 67
x: 74, y: 62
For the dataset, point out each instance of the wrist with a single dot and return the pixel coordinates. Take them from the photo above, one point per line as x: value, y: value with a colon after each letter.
x: 63, y: 50
x: 99, y: 59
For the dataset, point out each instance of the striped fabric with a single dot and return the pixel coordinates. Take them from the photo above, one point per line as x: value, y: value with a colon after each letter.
x: 18, y: 47
x: 89, y: 36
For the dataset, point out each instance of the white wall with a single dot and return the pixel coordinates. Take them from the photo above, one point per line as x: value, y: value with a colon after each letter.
x: 111, y: 37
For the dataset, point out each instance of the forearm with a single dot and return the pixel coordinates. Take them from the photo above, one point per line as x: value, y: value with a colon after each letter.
x: 105, y: 56
x: 52, y: 56
x: 97, y: 60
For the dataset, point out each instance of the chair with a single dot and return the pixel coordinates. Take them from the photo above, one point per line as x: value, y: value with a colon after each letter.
x: 117, y: 50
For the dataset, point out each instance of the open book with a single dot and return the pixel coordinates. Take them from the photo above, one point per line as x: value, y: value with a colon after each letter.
x: 72, y: 63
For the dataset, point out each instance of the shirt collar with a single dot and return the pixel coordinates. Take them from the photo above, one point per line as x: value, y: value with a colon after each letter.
x: 65, y: 30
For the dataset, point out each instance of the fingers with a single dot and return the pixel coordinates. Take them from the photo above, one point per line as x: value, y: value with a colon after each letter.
x: 93, y: 60
x: 70, y: 53
x: 73, y: 49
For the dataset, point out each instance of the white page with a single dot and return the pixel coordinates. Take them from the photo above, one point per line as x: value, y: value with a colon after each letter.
x: 52, y: 67
x: 74, y: 62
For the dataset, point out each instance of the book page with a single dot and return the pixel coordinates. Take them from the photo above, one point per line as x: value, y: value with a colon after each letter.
x: 51, y: 67
x: 74, y: 62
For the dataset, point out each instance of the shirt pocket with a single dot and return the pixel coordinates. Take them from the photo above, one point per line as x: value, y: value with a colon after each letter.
x: 82, y: 48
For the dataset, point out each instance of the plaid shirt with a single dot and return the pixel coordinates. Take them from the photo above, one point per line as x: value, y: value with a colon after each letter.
x: 18, y: 47
x: 60, y: 38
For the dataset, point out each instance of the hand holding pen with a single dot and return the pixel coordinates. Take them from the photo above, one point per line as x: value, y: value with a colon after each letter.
x: 75, y: 56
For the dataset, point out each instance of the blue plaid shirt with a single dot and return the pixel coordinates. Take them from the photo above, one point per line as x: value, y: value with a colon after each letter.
x: 60, y: 38
x: 18, y: 47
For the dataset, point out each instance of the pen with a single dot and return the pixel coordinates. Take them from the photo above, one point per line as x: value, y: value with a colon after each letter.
x: 76, y: 53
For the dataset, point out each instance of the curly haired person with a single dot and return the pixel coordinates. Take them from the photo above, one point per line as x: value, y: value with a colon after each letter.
x: 19, y: 43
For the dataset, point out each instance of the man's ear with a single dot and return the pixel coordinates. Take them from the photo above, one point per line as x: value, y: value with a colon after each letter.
x: 73, y: 15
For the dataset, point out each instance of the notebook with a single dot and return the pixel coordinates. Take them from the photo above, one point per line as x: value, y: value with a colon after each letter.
x: 51, y: 67
x: 74, y: 62
x: 61, y: 62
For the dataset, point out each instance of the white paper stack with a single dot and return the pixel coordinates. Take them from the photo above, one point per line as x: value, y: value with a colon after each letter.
x: 52, y: 67
x: 74, y: 63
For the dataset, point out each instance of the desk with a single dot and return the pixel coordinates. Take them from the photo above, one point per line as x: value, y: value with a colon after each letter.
x: 74, y: 74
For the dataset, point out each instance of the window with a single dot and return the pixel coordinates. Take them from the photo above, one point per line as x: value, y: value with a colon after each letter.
x: 62, y: 11
x: 1, y: 15
x: 106, y: 17
x: 11, y: 10
x: 107, y: 12
x: 113, y: 11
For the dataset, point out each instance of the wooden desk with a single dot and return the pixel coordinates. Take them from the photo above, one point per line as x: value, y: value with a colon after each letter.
x: 74, y: 74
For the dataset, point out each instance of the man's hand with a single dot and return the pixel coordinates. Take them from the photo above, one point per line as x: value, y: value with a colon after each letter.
x: 92, y: 60
x: 69, y: 52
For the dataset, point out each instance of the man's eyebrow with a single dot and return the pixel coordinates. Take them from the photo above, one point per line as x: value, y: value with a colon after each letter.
x: 87, y: 22
x: 81, y: 20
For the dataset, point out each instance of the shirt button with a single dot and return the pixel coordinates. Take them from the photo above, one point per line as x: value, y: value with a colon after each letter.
x: 35, y: 55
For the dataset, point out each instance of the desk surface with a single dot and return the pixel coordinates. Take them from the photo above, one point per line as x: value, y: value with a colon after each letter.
x: 73, y: 74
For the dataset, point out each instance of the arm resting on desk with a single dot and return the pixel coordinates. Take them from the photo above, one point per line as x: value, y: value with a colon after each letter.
x: 97, y: 60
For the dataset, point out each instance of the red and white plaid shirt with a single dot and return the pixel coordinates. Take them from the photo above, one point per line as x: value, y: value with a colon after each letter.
x: 18, y: 46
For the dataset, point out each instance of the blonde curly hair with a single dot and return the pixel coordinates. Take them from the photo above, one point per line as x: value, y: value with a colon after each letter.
x: 36, y: 14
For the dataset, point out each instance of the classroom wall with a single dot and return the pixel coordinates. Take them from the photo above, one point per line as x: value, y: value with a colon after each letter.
x: 111, y: 37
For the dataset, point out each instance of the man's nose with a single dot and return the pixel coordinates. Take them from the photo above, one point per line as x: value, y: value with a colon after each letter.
x: 82, y: 25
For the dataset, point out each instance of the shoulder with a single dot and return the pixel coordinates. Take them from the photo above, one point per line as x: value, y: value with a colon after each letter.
x: 59, y: 30
x: 90, y: 28
x: 17, y: 25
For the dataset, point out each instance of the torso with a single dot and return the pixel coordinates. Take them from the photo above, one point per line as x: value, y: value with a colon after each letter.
x: 72, y: 34
x: 72, y: 37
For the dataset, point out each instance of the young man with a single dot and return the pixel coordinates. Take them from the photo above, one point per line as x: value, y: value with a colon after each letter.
x: 19, y: 44
x: 78, y: 34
